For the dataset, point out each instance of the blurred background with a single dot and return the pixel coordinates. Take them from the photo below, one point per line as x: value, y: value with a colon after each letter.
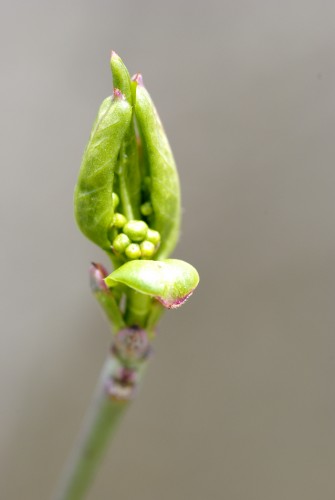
x: 238, y: 402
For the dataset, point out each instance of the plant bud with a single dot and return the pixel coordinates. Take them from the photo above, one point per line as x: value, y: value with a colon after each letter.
x: 153, y: 236
x: 136, y: 230
x: 147, y: 249
x: 120, y: 243
x: 146, y: 209
x: 133, y: 251
x: 115, y: 200
x: 119, y: 220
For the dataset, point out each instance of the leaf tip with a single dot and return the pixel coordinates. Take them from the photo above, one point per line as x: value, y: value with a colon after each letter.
x: 118, y: 95
x: 97, y: 273
x: 174, y: 303
x: 138, y: 79
x: 114, y: 54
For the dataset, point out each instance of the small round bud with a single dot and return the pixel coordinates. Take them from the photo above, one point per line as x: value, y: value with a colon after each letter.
x: 119, y: 220
x: 136, y: 230
x: 153, y: 236
x: 133, y: 251
x: 116, y: 200
x: 147, y: 249
x: 146, y: 209
x: 121, y: 242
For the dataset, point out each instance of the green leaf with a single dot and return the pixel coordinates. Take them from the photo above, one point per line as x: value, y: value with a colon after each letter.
x: 170, y: 281
x: 164, y: 182
x: 129, y: 179
x: 121, y: 77
x: 93, y: 201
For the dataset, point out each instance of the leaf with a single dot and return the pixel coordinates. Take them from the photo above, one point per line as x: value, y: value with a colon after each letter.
x: 93, y: 193
x: 128, y: 170
x: 164, y: 181
x: 170, y: 281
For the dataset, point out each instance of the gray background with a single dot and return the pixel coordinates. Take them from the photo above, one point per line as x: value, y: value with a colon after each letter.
x: 239, y: 400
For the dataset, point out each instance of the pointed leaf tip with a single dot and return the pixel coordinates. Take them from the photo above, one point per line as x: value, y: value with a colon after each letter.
x: 138, y: 79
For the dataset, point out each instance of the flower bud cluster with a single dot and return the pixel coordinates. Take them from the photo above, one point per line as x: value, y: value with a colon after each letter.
x: 135, y: 239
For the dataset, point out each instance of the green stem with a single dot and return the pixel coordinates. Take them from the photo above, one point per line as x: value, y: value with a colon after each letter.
x: 138, y: 306
x: 101, y: 422
x: 109, y: 305
x: 154, y: 316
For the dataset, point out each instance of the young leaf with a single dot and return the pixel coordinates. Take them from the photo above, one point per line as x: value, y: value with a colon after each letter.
x: 164, y: 181
x: 129, y: 180
x: 170, y: 281
x: 93, y: 193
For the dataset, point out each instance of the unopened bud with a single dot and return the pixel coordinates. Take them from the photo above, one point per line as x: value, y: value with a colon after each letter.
x: 97, y: 274
x: 119, y: 220
x: 153, y: 236
x: 115, y: 200
x: 133, y: 251
x: 120, y: 243
x: 136, y: 230
x: 146, y: 208
x: 147, y: 249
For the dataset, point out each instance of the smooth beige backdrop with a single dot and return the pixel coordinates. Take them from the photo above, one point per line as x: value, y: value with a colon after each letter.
x: 239, y: 400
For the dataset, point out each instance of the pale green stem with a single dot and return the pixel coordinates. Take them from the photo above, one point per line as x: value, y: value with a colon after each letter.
x: 137, y: 310
x: 156, y: 311
x: 109, y: 305
x: 98, y: 427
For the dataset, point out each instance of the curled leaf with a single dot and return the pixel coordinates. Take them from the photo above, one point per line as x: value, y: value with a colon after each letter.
x: 170, y: 281
x: 161, y: 169
x: 128, y: 170
x: 93, y: 201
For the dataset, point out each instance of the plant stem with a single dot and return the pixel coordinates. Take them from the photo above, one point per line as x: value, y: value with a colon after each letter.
x: 108, y: 303
x: 138, y: 306
x: 100, y: 424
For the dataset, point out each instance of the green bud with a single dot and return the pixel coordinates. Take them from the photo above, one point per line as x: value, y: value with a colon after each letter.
x: 133, y: 251
x: 115, y: 200
x: 136, y: 230
x: 146, y: 209
x: 119, y: 220
x: 147, y: 249
x: 170, y: 281
x: 153, y: 236
x: 120, y: 243
x: 93, y: 201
